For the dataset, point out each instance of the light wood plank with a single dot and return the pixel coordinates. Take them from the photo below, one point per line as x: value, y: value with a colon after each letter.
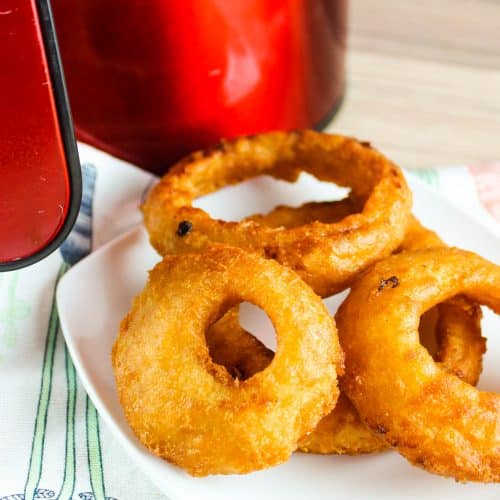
x: 452, y: 31
x: 418, y: 97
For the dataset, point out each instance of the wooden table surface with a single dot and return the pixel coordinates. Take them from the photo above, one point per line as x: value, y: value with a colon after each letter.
x: 423, y: 80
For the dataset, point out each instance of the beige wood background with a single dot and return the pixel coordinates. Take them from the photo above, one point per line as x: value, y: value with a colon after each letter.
x: 423, y: 82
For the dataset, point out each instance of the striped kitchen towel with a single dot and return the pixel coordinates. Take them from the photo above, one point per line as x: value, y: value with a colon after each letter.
x: 53, y: 444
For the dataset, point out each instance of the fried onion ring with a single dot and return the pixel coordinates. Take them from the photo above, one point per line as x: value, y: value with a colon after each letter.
x: 188, y: 409
x: 342, y: 431
x: 460, y: 345
x: 433, y: 418
x: 326, y: 255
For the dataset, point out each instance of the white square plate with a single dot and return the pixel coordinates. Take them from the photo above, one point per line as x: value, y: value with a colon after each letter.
x: 95, y: 295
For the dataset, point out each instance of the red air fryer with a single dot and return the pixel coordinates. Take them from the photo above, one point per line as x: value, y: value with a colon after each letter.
x: 153, y: 80
x: 40, y: 178
x: 149, y: 81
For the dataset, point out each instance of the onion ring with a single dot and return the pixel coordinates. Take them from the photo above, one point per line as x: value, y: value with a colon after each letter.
x: 326, y: 256
x: 460, y: 345
x: 188, y: 409
x: 433, y: 418
x: 343, y: 431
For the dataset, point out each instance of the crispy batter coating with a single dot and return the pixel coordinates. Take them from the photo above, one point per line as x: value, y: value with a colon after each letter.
x: 457, y: 333
x: 326, y: 212
x: 339, y: 432
x: 326, y: 255
x: 188, y: 409
x: 342, y: 431
x: 433, y: 418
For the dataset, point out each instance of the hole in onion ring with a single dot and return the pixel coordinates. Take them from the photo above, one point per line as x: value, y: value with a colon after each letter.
x: 262, y: 194
x: 464, y: 345
x: 255, y: 320
x: 489, y: 380
x: 233, y: 344
x: 427, y: 331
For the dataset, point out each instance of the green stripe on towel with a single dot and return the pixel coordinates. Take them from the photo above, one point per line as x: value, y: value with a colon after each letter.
x: 36, y: 457
x: 68, y: 485
x: 94, y: 452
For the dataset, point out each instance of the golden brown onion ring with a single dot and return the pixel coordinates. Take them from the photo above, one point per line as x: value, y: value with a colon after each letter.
x: 458, y: 337
x: 188, y: 409
x: 342, y: 431
x: 326, y: 255
x: 433, y: 418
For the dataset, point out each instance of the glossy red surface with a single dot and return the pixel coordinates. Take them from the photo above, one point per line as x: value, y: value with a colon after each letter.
x: 151, y: 81
x: 34, y: 185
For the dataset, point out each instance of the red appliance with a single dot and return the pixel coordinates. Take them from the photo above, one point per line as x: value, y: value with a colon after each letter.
x: 150, y: 81
x: 40, y: 179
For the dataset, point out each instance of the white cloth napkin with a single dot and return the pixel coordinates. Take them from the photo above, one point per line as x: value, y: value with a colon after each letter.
x: 52, y: 442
